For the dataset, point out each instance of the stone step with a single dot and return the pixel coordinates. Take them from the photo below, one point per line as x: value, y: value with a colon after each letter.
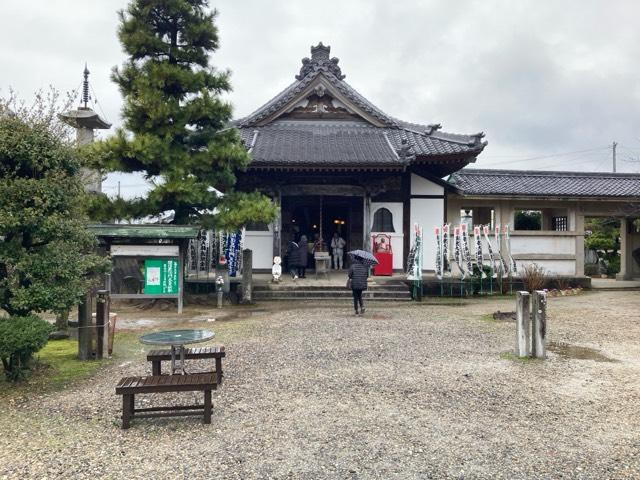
x: 329, y: 295
x: 334, y: 288
x: 345, y: 300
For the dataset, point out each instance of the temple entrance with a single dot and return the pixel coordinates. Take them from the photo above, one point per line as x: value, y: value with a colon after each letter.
x: 319, y: 216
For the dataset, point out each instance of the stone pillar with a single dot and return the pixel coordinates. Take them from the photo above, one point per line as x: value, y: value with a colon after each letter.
x: 523, y: 340
x: 247, y: 276
x: 539, y: 324
x: 579, y: 229
x: 625, y: 251
x: 366, y: 226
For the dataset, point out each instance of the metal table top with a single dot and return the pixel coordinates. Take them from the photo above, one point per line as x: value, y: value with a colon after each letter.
x: 177, y: 337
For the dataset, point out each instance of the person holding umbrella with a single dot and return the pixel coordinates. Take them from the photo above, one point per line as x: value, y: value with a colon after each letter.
x: 358, y: 274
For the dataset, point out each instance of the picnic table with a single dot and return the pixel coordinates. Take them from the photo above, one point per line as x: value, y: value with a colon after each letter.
x: 177, y: 339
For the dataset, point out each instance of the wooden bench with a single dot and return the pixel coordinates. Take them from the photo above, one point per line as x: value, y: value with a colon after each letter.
x: 129, y: 387
x: 157, y: 356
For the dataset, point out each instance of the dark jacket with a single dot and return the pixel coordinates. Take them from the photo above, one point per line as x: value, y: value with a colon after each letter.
x: 358, y: 273
x: 303, y: 252
x: 292, y: 255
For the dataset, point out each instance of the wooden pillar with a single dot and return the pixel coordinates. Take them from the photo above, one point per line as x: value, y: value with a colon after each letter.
x: 102, y: 321
x: 366, y: 226
x: 539, y: 315
x: 406, y: 217
x: 277, y: 225
x: 84, y: 328
x: 247, y: 276
x: 523, y: 340
x: 182, y: 252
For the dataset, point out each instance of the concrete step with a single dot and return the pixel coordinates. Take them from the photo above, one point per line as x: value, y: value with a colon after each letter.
x: 300, y: 294
x: 332, y: 288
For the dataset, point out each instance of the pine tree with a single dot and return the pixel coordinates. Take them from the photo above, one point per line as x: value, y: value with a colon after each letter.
x: 176, y: 127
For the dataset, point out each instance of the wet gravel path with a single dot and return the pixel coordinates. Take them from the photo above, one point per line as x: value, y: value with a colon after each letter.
x: 407, y: 391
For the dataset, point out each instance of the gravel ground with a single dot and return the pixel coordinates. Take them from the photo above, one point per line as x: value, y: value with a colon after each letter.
x: 406, y: 391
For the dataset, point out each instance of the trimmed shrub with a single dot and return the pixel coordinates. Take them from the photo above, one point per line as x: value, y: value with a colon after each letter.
x: 533, y: 277
x: 20, y: 338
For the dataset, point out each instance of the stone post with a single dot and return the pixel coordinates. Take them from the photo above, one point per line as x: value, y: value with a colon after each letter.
x: 625, y: 252
x: 247, y: 276
x: 523, y: 340
x: 539, y: 324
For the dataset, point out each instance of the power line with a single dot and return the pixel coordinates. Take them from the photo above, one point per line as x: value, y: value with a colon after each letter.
x: 539, y: 157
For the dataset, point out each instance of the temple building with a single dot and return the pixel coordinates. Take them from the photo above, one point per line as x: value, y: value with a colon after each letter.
x: 334, y: 162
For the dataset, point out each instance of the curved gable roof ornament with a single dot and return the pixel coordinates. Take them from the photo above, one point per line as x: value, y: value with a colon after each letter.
x: 320, y: 61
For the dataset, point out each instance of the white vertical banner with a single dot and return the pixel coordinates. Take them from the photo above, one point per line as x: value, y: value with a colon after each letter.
x: 513, y: 268
x: 492, y: 258
x: 479, y: 256
x: 446, y: 263
x: 465, y: 249
x: 438, y: 231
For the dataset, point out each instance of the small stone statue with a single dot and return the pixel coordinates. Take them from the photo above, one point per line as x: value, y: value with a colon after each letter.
x: 276, y: 270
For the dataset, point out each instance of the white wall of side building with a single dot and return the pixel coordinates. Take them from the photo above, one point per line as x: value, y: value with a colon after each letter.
x: 397, y: 236
x: 261, y: 243
x: 427, y: 213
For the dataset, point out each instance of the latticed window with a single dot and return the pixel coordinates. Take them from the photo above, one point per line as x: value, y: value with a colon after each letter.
x: 559, y: 224
x: 382, y: 221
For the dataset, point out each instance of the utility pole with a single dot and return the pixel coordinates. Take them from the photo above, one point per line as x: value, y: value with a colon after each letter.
x: 615, y: 144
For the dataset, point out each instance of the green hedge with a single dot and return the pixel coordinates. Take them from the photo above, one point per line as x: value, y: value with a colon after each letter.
x: 20, y: 338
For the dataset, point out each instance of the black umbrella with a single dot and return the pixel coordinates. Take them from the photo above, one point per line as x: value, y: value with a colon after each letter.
x: 363, y: 256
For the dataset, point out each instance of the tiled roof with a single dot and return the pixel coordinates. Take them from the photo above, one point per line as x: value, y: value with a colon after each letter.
x: 546, y: 184
x: 306, y: 142
x: 331, y: 142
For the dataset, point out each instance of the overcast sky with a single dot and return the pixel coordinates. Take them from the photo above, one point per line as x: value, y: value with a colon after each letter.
x: 551, y: 83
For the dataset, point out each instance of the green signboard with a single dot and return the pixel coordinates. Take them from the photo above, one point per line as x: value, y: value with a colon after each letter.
x: 160, y: 276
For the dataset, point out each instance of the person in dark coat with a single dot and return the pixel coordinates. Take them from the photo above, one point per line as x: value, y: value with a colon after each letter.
x: 292, y: 259
x: 358, y: 273
x: 303, y: 252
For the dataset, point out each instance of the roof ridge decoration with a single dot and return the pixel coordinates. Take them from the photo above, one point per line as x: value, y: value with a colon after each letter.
x: 320, y: 61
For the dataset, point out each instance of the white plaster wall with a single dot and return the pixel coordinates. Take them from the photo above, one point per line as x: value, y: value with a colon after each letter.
x: 427, y: 213
x: 565, y: 245
x: 553, y: 267
x: 261, y: 243
x: 397, y: 237
x: 422, y: 186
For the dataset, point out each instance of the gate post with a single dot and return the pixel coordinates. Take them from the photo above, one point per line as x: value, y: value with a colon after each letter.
x: 523, y: 340
x: 539, y: 340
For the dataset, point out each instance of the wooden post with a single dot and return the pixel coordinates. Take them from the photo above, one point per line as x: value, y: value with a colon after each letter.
x: 247, y: 276
x: 523, y: 340
x: 84, y: 328
x: 181, y: 253
x: 102, y: 319
x: 539, y: 340
x: 277, y: 225
x: 366, y: 226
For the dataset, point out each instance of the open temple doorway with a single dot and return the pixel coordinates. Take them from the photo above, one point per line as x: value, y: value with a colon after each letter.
x: 318, y: 217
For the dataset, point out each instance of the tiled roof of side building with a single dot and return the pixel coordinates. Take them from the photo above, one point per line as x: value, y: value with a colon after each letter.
x: 485, y: 182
